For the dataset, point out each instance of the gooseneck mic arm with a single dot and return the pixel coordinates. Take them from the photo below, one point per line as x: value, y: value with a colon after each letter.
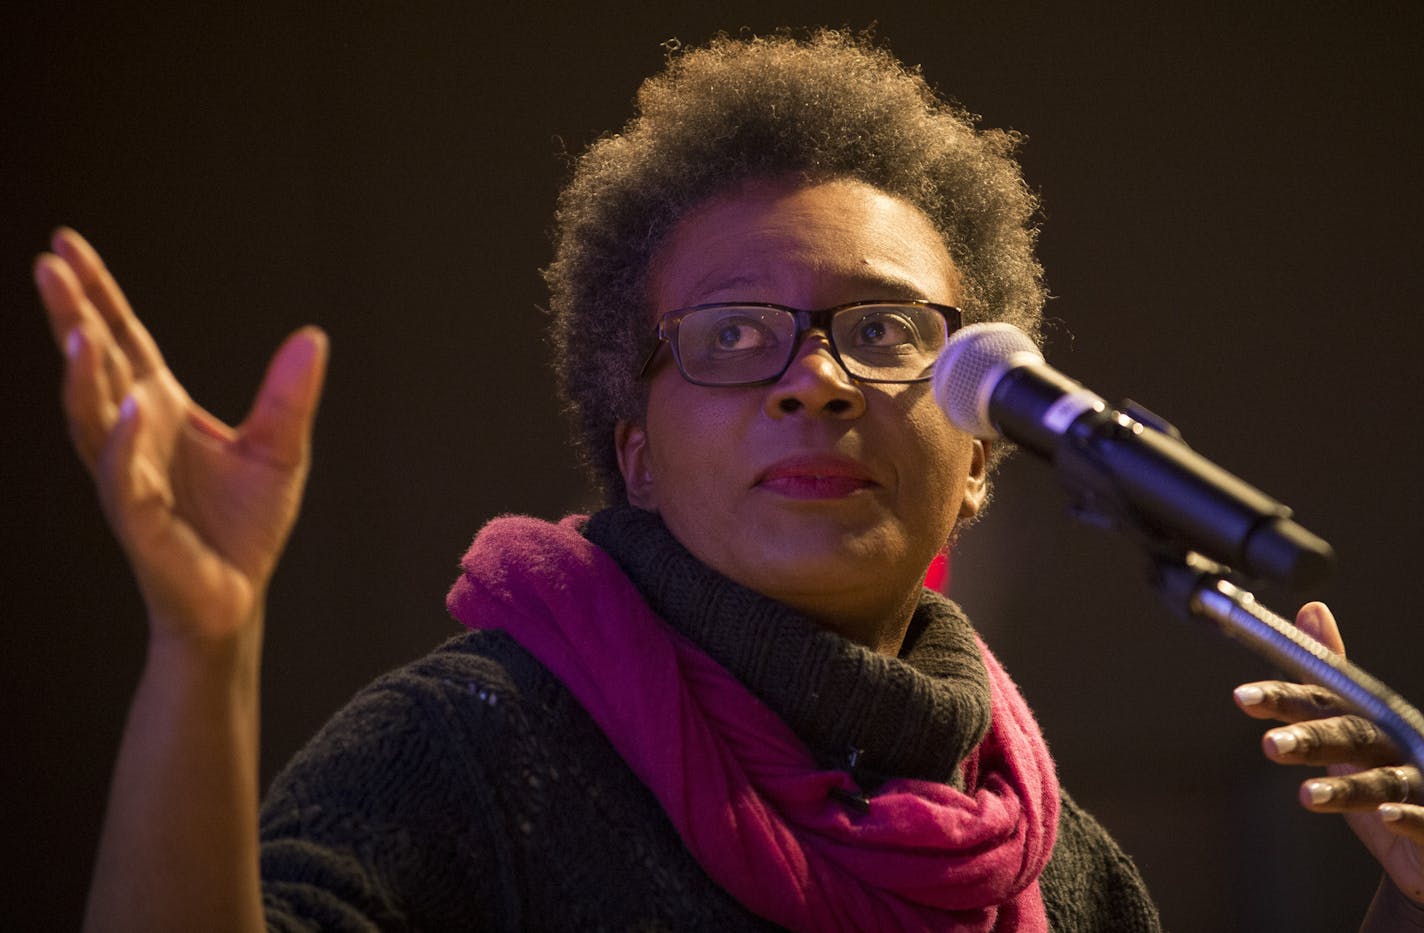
x: 1196, y: 588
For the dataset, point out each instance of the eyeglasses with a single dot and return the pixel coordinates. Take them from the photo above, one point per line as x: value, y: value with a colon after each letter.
x: 740, y: 344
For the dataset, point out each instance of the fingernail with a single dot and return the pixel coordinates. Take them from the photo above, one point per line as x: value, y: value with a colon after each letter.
x: 1249, y: 695
x: 1283, y: 741
x: 1391, y: 812
x: 73, y: 341
x: 1319, y: 792
x: 126, y: 410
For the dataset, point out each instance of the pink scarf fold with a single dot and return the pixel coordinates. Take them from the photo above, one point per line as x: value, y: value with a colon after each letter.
x: 744, y: 793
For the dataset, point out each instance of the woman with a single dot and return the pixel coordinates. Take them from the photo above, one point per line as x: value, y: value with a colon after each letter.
x: 725, y: 702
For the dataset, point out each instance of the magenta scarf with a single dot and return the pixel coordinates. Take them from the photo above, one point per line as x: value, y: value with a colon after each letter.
x: 743, y: 791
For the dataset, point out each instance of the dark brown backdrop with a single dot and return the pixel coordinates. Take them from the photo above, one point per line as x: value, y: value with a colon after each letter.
x: 1232, y: 204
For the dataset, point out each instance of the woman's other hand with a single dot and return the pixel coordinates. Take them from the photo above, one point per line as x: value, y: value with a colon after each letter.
x: 1367, y: 778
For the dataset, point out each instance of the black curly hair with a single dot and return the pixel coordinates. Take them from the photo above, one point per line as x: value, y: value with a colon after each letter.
x: 830, y: 104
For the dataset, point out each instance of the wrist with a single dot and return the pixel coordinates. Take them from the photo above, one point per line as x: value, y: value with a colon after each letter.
x: 205, y: 660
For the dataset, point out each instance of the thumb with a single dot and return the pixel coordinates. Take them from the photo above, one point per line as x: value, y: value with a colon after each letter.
x: 279, y: 425
x: 1317, y: 621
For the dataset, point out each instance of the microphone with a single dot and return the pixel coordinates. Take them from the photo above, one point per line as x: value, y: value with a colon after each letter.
x: 992, y: 382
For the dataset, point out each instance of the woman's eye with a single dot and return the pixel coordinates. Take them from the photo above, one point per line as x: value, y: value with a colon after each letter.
x: 741, y: 335
x: 884, y: 330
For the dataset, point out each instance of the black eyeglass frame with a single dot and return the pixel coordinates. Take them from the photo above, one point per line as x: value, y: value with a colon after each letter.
x: 665, y: 332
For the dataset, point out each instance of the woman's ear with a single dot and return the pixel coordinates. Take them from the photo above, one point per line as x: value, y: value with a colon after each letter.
x: 631, y: 443
x: 976, y: 485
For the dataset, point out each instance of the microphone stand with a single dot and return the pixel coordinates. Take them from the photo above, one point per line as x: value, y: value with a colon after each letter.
x: 1196, y: 587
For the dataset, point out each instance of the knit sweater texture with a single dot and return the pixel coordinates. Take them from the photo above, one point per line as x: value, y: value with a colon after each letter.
x: 470, y: 790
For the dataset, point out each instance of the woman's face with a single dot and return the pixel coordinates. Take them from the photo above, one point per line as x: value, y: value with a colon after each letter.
x: 824, y: 493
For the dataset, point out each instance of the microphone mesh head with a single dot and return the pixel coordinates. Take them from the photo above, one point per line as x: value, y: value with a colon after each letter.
x: 971, y: 365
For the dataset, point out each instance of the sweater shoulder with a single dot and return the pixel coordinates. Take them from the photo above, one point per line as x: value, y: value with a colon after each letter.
x: 469, y: 789
x: 472, y: 660
x: 463, y: 698
x: 357, y: 829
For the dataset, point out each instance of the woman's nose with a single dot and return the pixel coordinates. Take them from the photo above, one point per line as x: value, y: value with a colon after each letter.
x: 816, y: 383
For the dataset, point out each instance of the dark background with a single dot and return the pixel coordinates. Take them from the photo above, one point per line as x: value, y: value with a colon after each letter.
x: 1232, y: 203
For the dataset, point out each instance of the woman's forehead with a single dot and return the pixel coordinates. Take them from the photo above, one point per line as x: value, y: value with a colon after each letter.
x: 833, y: 238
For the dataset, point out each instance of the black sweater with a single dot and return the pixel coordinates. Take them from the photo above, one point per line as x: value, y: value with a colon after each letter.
x: 470, y: 790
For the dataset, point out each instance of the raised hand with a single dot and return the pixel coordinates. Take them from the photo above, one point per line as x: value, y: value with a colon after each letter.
x: 201, y: 509
x: 1368, y: 780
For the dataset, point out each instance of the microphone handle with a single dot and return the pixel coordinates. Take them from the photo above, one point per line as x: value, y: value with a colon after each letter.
x: 1124, y: 470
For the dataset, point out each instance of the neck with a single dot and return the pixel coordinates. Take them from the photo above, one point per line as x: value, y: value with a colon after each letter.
x: 880, y: 631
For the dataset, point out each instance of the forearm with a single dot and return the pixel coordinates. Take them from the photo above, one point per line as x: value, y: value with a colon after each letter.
x: 179, y: 844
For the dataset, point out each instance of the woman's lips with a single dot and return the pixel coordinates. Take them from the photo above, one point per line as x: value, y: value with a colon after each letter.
x: 815, y: 478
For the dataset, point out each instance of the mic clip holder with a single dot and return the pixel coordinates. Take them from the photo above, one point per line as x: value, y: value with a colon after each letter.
x: 1127, y: 467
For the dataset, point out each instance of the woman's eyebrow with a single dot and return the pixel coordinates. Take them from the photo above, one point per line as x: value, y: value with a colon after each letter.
x: 877, y: 285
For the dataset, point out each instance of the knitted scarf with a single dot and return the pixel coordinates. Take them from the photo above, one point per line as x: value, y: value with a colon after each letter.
x: 766, y: 821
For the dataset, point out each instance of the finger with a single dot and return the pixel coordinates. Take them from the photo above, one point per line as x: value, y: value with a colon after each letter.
x: 1365, y: 790
x: 1317, y: 621
x: 1338, y: 740
x: 1289, y: 702
x: 69, y: 309
x: 278, y: 428
x: 88, y: 401
x: 96, y: 377
x: 108, y: 299
x: 62, y: 296
x: 135, y: 493
x: 123, y: 487
x: 1403, y: 820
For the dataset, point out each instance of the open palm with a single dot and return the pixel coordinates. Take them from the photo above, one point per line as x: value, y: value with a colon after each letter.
x: 201, y: 509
